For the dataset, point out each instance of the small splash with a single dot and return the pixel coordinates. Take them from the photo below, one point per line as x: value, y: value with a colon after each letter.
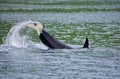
x: 16, y: 38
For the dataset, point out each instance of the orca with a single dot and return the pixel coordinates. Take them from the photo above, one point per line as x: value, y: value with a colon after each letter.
x: 49, y: 40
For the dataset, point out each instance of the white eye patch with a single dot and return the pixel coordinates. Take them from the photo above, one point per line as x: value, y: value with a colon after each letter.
x: 36, y: 26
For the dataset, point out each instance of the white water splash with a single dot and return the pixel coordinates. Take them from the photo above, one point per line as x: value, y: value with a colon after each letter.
x: 17, y: 39
x: 14, y: 37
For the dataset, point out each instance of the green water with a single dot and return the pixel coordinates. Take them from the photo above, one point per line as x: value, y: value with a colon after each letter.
x: 70, y: 21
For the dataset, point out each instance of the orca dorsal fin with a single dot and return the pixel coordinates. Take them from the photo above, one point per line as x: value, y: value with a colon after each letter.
x: 86, y: 44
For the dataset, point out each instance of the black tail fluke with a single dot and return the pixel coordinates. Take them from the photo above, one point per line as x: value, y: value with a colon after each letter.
x: 86, y: 44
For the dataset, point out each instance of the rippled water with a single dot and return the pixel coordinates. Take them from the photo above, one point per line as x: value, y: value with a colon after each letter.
x: 70, y: 22
x: 52, y: 64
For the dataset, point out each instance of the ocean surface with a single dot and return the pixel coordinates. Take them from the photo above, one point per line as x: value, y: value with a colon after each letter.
x: 23, y: 56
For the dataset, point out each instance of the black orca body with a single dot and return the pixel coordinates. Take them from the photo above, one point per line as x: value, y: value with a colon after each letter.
x: 52, y: 43
x: 86, y: 44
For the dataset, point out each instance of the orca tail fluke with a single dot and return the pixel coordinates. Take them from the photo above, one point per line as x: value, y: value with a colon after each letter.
x: 86, y: 44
